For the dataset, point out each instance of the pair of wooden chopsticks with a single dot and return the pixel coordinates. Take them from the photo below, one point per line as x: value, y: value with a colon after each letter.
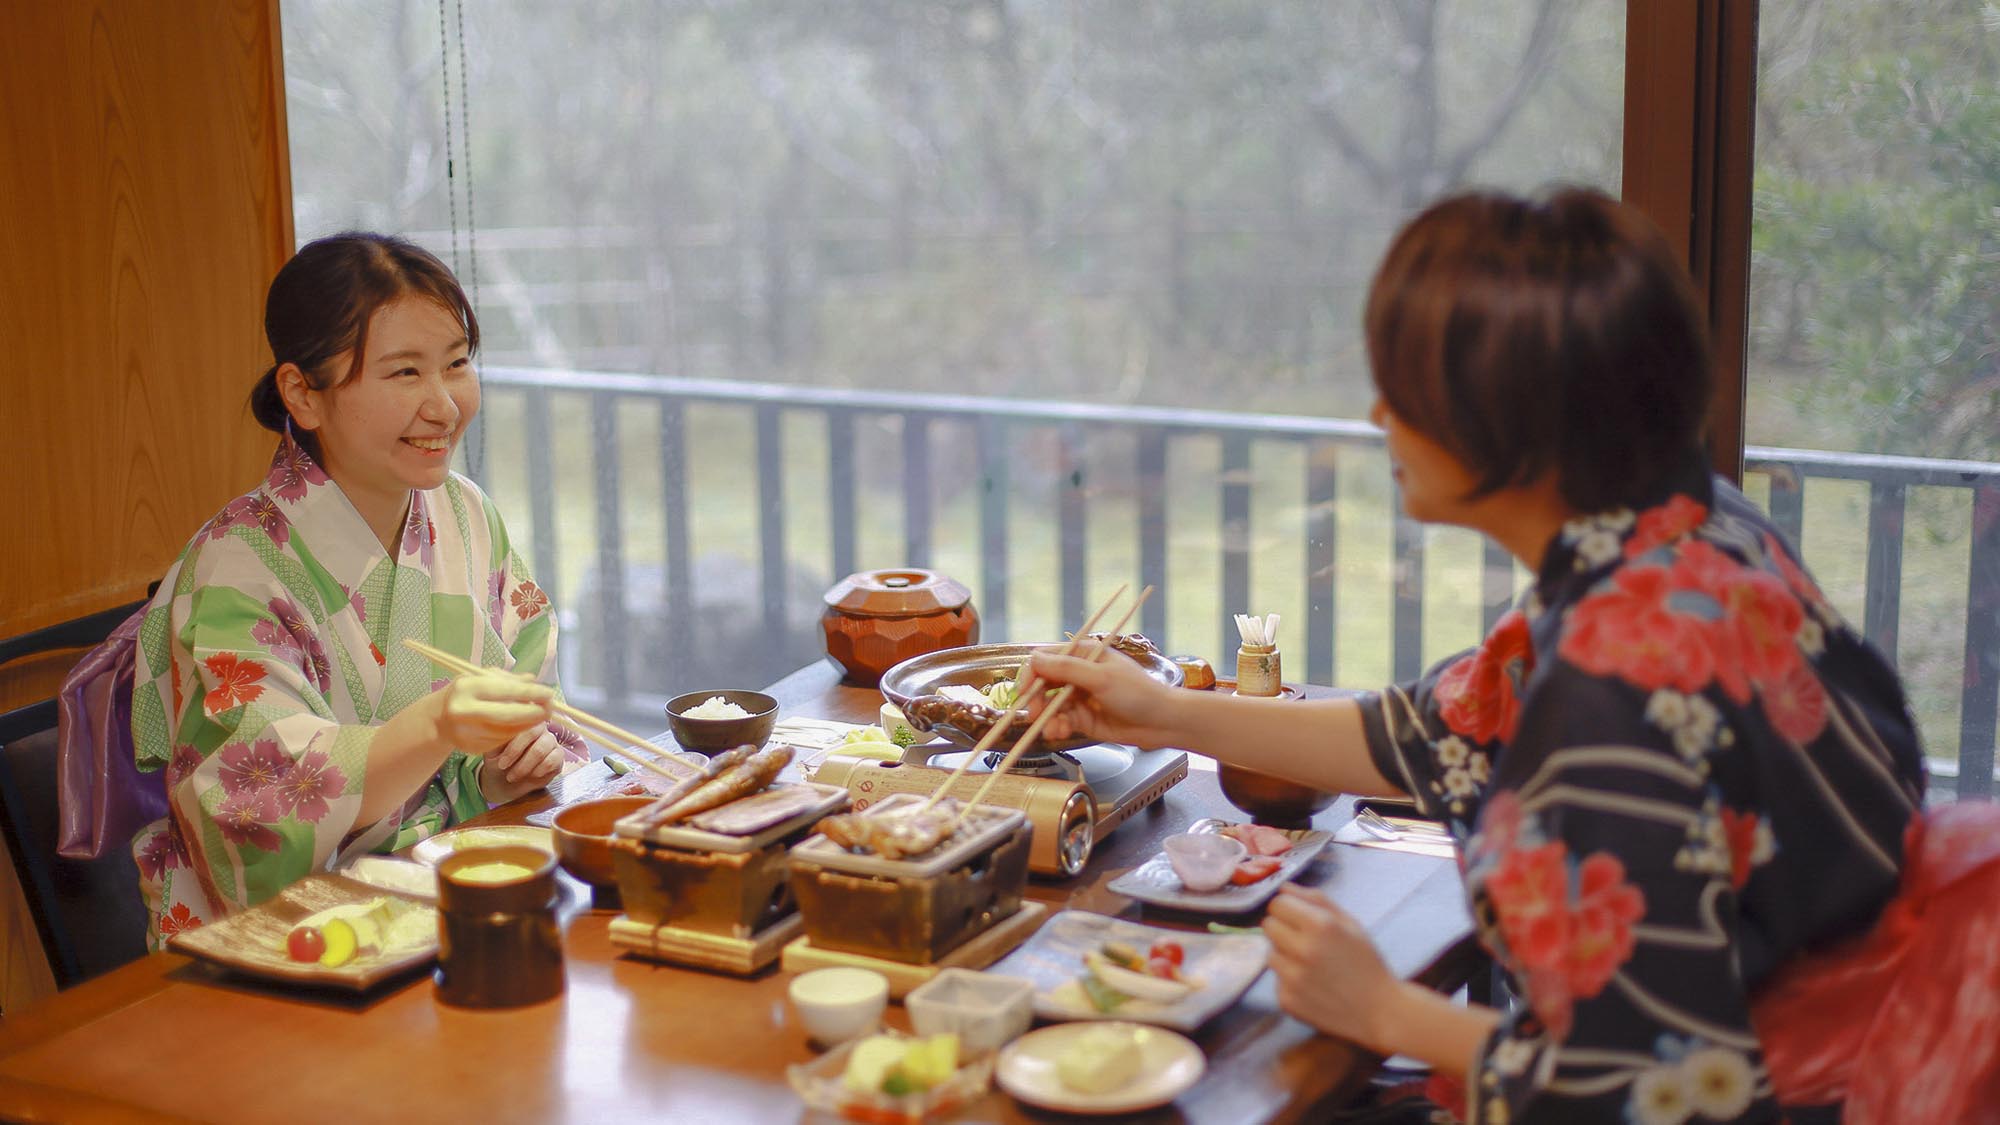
x: 1025, y: 692
x: 615, y: 739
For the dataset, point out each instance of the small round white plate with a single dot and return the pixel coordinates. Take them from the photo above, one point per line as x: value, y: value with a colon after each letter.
x: 1171, y: 1064
x: 433, y: 849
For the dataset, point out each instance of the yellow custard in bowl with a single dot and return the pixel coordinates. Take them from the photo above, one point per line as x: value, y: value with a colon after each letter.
x: 487, y: 874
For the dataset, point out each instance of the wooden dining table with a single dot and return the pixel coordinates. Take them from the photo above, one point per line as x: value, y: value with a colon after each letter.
x: 167, y: 1037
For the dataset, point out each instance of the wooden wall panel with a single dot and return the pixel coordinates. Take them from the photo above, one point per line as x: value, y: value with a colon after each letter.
x: 144, y: 206
x: 145, y: 203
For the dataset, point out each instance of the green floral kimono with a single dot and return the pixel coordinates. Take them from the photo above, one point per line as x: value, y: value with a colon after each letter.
x: 273, y: 651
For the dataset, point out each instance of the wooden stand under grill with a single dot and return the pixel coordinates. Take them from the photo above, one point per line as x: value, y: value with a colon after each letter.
x: 741, y: 956
x: 977, y: 953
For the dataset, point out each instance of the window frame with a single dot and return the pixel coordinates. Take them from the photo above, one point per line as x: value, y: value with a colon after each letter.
x: 1690, y: 104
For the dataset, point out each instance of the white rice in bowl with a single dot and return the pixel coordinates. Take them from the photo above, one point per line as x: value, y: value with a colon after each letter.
x: 715, y: 707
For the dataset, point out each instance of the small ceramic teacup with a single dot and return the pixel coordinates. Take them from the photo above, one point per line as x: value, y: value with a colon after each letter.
x: 1203, y: 860
x: 836, y: 1005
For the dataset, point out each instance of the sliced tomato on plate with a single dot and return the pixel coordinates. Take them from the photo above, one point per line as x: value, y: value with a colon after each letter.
x: 1254, y: 868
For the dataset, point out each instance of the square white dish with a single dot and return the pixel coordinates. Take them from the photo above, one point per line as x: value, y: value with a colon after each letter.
x: 986, y: 1010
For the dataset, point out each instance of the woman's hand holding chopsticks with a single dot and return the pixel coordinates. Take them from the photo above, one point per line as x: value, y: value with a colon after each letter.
x: 486, y: 710
x: 1117, y: 701
x: 631, y: 747
x: 529, y: 761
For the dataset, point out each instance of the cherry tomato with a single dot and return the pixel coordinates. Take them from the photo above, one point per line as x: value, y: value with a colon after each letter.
x: 1161, y: 967
x: 1253, y: 869
x: 1171, y: 950
x: 305, y: 944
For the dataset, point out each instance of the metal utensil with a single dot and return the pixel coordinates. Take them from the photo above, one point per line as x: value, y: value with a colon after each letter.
x: 1377, y: 825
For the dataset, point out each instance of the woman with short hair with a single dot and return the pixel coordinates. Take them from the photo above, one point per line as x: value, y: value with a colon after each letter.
x: 294, y: 728
x: 1671, y: 770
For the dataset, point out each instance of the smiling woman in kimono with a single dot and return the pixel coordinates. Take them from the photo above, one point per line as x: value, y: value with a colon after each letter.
x: 1686, y: 793
x: 272, y: 686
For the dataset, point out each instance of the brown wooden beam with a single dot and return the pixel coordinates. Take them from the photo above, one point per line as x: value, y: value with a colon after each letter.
x: 1690, y: 101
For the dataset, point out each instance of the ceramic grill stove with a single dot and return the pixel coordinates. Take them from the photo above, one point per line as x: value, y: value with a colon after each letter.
x: 1073, y: 798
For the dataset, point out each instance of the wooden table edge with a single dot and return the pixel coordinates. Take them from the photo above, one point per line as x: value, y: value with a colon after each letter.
x: 22, y: 1100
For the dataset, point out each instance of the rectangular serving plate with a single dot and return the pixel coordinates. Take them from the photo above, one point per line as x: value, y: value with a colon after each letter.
x: 253, y: 941
x: 1154, y: 881
x: 1225, y: 965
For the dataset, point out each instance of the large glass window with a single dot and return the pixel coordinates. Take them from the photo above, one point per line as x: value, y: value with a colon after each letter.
x: 859, y: 278
x: 1874, y: 367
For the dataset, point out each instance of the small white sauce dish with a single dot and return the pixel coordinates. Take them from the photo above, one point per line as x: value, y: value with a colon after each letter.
x: 836, y: 1005
x: 1203, y: 860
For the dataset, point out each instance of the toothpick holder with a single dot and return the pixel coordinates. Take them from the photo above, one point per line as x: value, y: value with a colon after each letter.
x: 1258, y: 670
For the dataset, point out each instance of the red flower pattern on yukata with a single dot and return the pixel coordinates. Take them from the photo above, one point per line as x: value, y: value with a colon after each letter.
x: 1796, y: 704
x: 268, y: 515
x: 496, y: 606
x: 310, y: 784
x: 1657, y: 527
x: 185, y: 760
x: 253, y: 767
x: 289, y: 636
x: 1569, y: 941
x: 246, y: 816
x: 419, y: 535
x: 1479, y: 696
x: 1755, y: 640
x: 234, y: 514
x: 358, y: 602
x: 162, y: 852
x: 236, y: 682
x: 1704, y: 618
x: 1740, y: 829
x: 179, y: 920
x: 1628, y: 629
x: 293, y: 471
x: 528, y: 599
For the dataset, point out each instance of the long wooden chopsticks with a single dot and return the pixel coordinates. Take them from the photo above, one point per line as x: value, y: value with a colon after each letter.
x: 613, y: 738
x: 1023, y: 688
x: 1096, y: 653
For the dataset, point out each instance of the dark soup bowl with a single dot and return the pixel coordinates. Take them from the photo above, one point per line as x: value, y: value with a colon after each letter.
x: 722, y: 734
x: 1271, y: 800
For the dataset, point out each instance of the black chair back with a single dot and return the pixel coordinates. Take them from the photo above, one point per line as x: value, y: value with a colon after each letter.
x: 88, y: 912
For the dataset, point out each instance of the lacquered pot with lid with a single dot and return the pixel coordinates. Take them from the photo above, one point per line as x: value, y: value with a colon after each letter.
x: 877, y: 619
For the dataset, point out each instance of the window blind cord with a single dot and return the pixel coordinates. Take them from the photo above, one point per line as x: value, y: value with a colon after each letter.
x: 450, y: 170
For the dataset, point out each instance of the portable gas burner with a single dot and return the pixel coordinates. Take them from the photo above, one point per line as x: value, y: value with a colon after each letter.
x: 1072, y: 797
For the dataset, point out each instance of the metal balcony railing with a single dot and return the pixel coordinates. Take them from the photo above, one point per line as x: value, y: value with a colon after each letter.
x: 626, y: 642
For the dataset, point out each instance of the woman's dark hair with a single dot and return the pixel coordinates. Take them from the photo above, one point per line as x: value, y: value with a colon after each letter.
x: 1529, y: 336
x: 322, y: 300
